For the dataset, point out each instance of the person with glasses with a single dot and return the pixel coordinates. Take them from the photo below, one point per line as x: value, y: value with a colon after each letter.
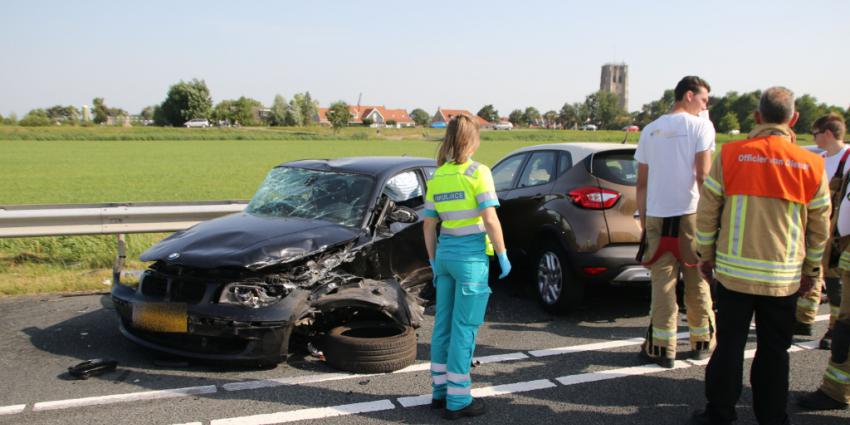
x: 828, y: 133
x: 834, y: 392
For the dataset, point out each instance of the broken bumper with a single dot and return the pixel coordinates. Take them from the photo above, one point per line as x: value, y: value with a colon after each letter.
x: 204, y: 331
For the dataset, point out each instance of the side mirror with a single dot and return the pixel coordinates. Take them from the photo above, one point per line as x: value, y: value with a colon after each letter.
x: 402, y: 214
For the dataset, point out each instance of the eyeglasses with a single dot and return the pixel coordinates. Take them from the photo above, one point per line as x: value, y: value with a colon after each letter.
x: 816, y: 132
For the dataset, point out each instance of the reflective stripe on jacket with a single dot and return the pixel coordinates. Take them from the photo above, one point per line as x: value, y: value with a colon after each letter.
x: 762, y: 238
x: 457, y: 194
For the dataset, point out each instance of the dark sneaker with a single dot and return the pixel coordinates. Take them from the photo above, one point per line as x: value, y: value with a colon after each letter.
x: 701, y: 351
x: 476, y: 408
x: 438, y: 403
x: 826, y: 341
x: 663, y: 361
x: 818, y: 400
x: 803, y: 329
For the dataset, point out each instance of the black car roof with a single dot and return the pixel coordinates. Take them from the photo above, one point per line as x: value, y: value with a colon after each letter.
x: 369, y: 165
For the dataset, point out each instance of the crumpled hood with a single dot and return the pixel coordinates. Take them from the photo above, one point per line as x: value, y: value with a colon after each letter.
x: 245, y: 240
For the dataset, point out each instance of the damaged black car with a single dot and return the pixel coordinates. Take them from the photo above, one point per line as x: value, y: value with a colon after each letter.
x: 328, y: 253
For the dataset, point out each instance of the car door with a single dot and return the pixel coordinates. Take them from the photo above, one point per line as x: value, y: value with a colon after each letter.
x: 617, y: 171
x: 403, y: 248
x: 505, y: 175
x: 526, y: 200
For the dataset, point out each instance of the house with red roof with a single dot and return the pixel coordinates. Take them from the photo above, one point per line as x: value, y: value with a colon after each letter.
x: 379, y: 116
x: 444, y: 115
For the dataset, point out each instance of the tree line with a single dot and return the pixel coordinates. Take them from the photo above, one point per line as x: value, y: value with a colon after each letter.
x: 186, y: 100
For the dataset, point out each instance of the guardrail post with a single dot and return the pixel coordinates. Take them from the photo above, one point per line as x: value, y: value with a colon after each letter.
x: 120, y: 259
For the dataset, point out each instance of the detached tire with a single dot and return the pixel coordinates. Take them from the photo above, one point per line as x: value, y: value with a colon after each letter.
x: 370, y: 347
x: 558, y: 289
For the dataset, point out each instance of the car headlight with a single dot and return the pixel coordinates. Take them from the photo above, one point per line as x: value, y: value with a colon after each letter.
x: 253, y: 295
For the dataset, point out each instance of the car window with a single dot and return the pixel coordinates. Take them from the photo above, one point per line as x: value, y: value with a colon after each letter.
x: 429, y: 172
x: 317, y: 195
x: 617, y: 167
x: 539, y: 170
x: 405, y: 189
x: 505, y: 171
x: 565, y: 162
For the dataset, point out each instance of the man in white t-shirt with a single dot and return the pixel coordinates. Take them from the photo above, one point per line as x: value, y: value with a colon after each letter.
x: 674, y: 156
x: 828, y: 132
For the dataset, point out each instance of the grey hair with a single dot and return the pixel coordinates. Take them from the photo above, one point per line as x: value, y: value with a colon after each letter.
x: 776, y: 105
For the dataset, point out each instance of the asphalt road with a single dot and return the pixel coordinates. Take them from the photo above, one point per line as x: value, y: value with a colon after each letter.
x: 595, y: 377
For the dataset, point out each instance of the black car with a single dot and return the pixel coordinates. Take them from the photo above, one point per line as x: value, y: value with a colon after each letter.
x: 325, y: 249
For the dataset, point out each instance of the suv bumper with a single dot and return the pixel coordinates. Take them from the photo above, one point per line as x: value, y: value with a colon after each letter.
x: 619, y: 262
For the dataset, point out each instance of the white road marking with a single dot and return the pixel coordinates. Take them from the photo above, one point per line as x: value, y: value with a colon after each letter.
x: 808, y: 345
x: 304, y: 414
x: 512, y: 388
x: 323, y: 377
x: 501, y: 358
x: 699, y: 362
x: 300, y: 380
x: 617, y: 373
x: 593, y: 347
x: 751, y: 353
x: 413, y: 401
x: 11, y: 410
x: 120, y: 398
x: 192, y: 423
x: 293, y: 380
x: 518, y: 387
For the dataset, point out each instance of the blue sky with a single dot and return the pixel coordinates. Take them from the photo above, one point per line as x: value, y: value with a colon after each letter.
x: 408, y: 55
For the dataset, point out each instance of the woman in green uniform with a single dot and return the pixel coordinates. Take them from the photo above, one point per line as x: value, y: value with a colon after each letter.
x: 462, y: 198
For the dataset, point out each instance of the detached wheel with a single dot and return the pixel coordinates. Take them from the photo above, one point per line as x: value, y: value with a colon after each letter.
x: 370, y: 347
x: 558, y: 289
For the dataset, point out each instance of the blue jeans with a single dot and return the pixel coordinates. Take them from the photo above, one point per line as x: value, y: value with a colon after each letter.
x: 462, y: 294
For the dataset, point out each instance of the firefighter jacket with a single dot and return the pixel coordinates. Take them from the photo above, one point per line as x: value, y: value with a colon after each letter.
x: 763, y: 214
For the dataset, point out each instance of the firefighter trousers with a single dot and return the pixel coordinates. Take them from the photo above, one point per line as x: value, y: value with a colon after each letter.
x: 836, y: 379
x: 808, y: 303
x: 664, y: 272
x: 462, y: 295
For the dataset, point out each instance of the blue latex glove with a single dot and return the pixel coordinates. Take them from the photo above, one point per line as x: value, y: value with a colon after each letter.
x: 431, y: 262
x: 504, y: 263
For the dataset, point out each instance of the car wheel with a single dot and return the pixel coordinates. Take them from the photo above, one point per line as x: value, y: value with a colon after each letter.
x: 558, y: 290
x: 370, y: 347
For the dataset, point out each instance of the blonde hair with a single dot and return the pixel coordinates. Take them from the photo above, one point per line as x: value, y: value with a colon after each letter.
x: 461, y: 135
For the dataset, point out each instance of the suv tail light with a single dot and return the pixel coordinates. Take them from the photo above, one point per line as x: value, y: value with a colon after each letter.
x: 594, y: 198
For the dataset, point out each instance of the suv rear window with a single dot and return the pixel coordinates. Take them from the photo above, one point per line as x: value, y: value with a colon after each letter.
x: 617, y: 167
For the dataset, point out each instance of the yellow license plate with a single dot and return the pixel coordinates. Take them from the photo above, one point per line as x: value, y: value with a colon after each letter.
x: 161, y: 317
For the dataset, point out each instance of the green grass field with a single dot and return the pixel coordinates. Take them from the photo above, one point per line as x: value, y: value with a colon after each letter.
x: 93, y: 165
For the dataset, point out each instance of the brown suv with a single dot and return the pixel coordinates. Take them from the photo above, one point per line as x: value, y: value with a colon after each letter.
x: 569, y: 211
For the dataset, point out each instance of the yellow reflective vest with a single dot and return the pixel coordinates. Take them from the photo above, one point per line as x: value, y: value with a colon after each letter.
x: 457, y: 194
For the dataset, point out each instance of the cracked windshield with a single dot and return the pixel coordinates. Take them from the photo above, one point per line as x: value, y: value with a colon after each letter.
x: 318, y: 195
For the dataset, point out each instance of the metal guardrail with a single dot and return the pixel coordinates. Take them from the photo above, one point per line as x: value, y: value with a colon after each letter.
x: 111, y: 218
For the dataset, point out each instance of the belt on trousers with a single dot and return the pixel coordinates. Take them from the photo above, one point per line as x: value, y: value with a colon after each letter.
x: 669, y: 241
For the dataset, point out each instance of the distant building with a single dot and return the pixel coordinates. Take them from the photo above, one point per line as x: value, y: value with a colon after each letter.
x: 86, y: 115
x: 379, y: 116
x: 444, y: 115
x: 615, y: 79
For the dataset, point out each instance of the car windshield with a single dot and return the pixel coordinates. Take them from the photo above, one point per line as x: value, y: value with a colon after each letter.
x: 339, y: 198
